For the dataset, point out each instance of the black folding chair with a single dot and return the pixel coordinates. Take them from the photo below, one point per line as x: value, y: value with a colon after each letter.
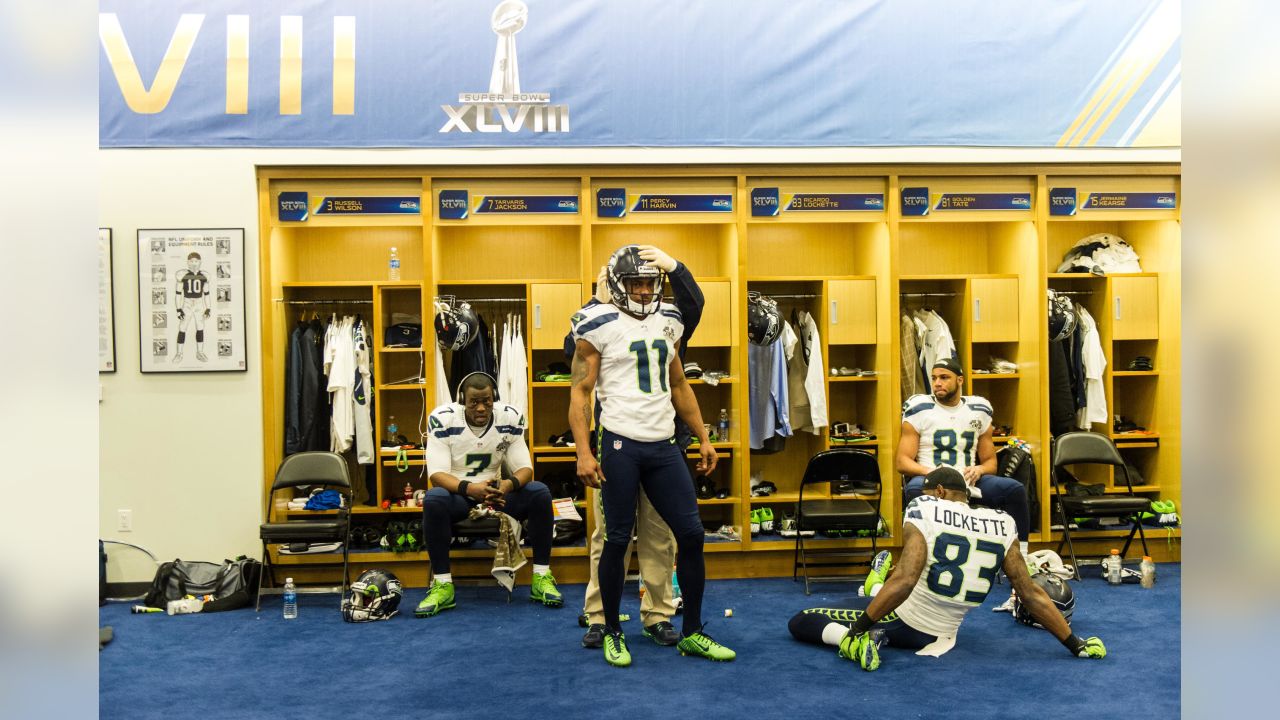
x: 485, y: 528
x: 854, y: 470
x: 324, y: 469
x: 1090, y: 447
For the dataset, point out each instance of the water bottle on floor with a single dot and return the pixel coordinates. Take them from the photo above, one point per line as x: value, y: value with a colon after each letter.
x: 290, y: 600
x: 1148, y: 570
x: 1113, y: 567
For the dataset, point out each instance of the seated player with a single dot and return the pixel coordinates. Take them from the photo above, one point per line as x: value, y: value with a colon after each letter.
x: 467, y: 444
x: 950, y: 554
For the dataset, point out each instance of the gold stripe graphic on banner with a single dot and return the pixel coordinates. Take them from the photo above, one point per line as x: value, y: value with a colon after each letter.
x: 291, y: 65
x: 142, y: 100
x: 237, y: 64
x: 344, y: 65
x: 1141, y: 54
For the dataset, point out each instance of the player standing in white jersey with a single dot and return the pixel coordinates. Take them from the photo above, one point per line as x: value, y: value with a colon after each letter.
x: 192, y: 298
x: 626, y: 353
x: 950, y: 554
x: 468, y: 442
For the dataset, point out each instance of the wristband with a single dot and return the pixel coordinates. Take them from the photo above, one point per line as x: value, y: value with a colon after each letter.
x: 1073, y: 644
x: 462, y: 487
x: 515, y: 485
x: 862, y: 624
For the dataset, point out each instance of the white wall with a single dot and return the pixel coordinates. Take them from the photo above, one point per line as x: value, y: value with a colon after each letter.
x: 184, y: 451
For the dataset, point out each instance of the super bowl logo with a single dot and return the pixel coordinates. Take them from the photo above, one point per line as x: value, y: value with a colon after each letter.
x: 505, y: 108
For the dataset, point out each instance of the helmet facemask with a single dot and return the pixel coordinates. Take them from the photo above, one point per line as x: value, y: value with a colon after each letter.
x: 625, y: 266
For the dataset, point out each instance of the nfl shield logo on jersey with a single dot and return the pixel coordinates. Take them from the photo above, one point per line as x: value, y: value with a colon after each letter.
x: 617, y: 444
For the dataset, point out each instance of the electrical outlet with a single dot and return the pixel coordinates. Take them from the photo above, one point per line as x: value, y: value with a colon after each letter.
x: 124, y: 520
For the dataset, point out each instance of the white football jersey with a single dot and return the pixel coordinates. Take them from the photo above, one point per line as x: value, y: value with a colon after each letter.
x: 633, y: 387
x: 452, y: 447
x: 948, y: 435
x: 965, y: 547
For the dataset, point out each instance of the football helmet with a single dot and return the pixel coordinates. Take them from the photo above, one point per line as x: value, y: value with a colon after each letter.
x: 375, y: 595
x: 1058, y: 591
x: 764, y: 322
x: 626, y: 264
x: 456, y: 325
x: 1062, y: 316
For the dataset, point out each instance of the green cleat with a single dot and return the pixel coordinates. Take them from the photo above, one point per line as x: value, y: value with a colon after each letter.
x: 544, y: 590
x: 615, y: 649
x: 702, y: 645
x: 862, y: 649
x: 438, y: 599
x: 879, y: 572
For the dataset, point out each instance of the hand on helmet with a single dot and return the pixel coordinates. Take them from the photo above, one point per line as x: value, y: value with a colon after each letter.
x: 602, y: 285
x: 657, y: 258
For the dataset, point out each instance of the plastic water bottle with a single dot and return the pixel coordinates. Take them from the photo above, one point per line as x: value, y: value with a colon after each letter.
x: 290, y: 600
x: 724, y: 425
x: 640, y: 580
x: 393, y: 267
x: 1113, y: 567
x: 392, y: 429
x: 675, y: 584
x: 1148, y: 569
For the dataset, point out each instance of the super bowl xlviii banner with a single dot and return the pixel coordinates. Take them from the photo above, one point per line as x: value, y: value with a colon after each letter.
x: 548, y: 73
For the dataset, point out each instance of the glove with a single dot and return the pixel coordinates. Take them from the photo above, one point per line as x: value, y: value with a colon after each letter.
x: 862, y: 649
x: 1092, y: 648
x: 602, y: 285
x: 656, y: 257
x: 182, y: 314
x: 206, y: 312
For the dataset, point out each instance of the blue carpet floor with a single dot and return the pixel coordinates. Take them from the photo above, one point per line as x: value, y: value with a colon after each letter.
x: 487, y: 659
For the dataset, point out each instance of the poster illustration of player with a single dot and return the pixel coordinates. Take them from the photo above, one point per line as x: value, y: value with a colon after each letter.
x: 184, y: 275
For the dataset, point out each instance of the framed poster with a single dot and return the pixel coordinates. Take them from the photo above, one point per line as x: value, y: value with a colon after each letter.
x: 106, y: 305
x: 191, y: 300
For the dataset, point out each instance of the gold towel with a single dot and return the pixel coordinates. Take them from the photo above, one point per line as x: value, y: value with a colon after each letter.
x: 508, y: 557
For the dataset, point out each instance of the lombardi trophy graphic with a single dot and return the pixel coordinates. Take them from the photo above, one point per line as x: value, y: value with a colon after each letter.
x: 508, y: 19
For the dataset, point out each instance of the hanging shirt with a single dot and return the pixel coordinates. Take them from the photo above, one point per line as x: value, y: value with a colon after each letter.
x: 911, y: 381
x: 936, y: 342
x: 1095, y: 362
x: 769, y: 403
x: 518, y: 373
x: 293, y: 372
x: 339, y: 354
x: 361, y: 398
x: 632, y: 389
x: 454, y: 448
x: 815, y: 381
x: 948, y: 435
x: 504, y: 367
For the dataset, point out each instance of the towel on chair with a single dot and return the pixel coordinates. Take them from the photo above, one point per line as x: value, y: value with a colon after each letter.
x: 507, y: 557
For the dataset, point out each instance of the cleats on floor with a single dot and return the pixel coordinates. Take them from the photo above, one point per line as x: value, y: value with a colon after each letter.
x: 615, y: 649
x: 879, y: 571
x: 439, y: 598
x: 702, y: 645
x: 594, y: 638
x: 663, y: 633
x: 544, y: 590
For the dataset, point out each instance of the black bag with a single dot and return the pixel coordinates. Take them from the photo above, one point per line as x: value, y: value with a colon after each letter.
x: 232, y: 584
x: 1016, y: 463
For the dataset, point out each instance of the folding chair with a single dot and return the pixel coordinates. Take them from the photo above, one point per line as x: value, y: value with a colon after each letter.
x: 1090, y: 447
x: 485, y: 528
x: 324, y: 469
x: 854, y: 469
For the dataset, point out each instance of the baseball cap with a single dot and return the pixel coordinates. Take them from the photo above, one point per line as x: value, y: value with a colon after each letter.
x: 945, y: 477
x: 951, y: 364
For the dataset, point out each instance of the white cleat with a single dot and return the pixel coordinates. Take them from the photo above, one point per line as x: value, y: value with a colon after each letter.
x: 177, y: 358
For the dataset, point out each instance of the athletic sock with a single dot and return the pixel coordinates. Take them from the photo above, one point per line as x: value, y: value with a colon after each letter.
x: 833, y: 633
x: 541, y: 569
x: 444, y: 578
